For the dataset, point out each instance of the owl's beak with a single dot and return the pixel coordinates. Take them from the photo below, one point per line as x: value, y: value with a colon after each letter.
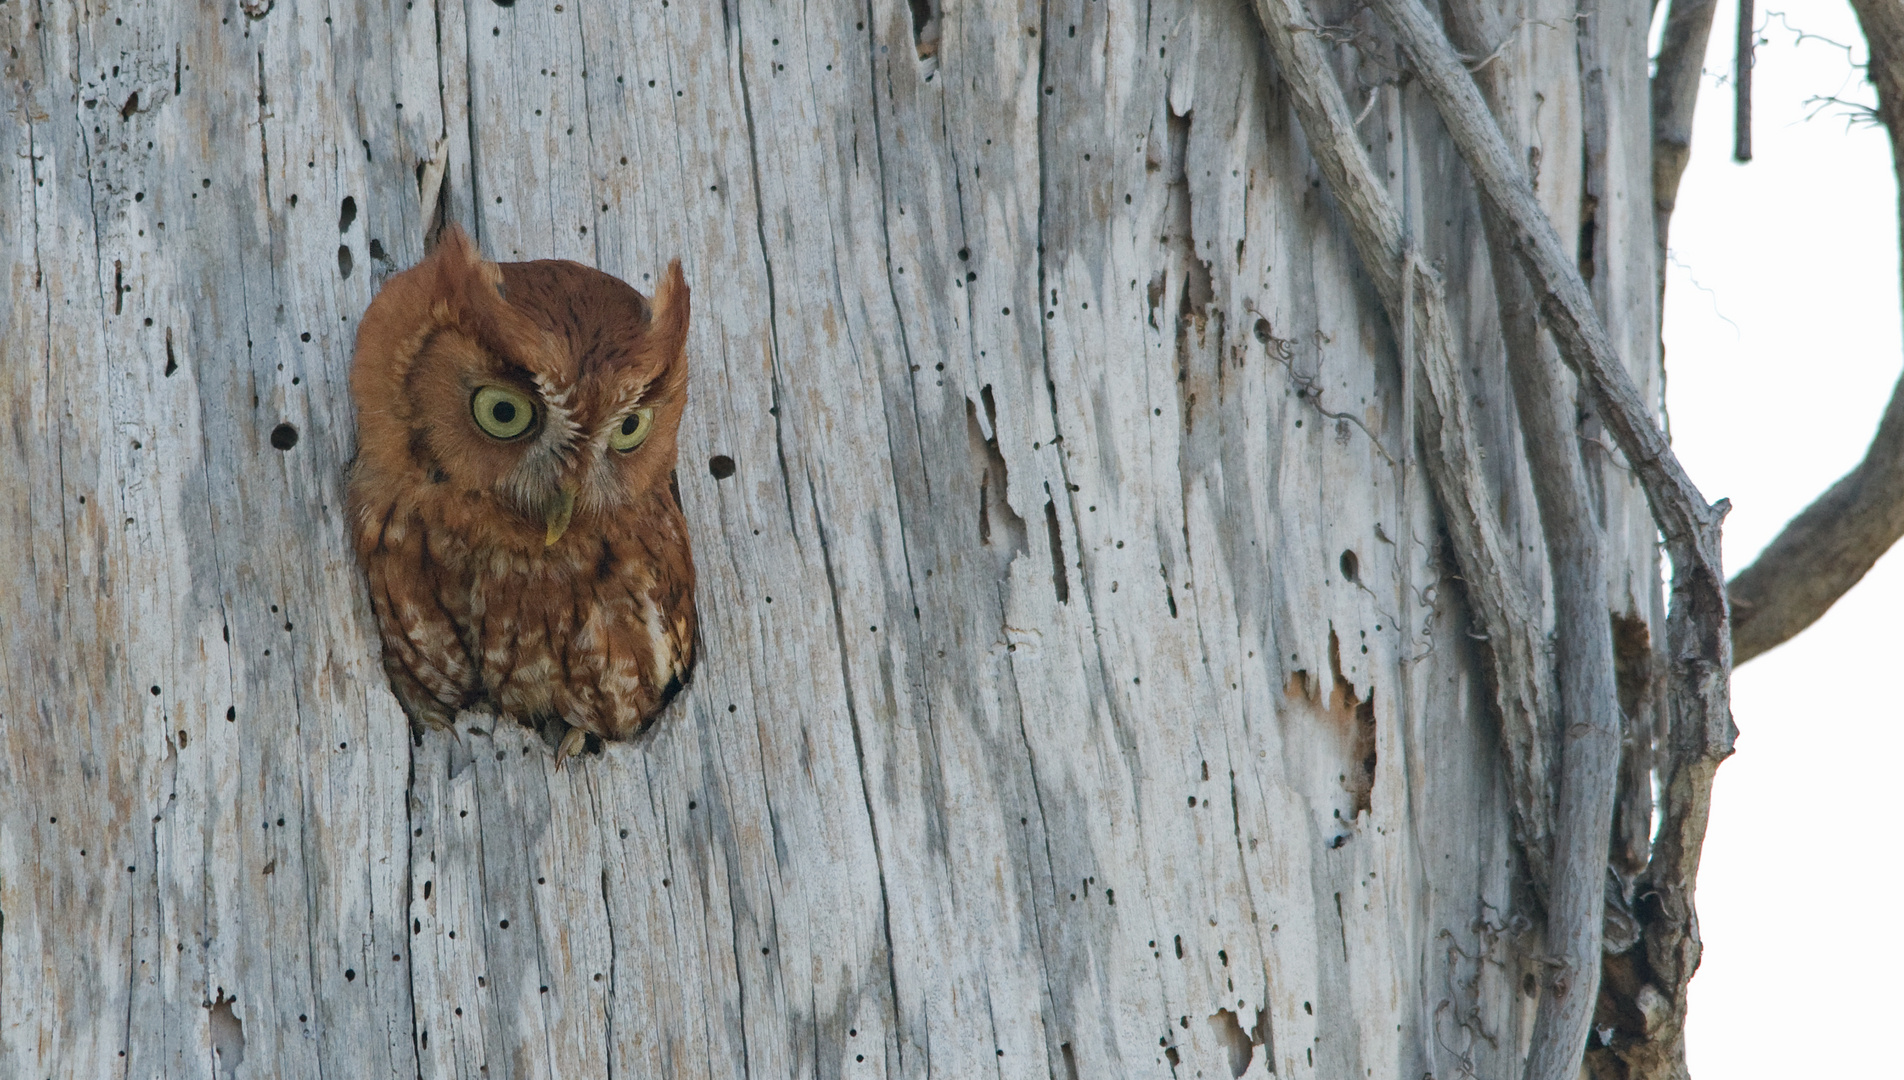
x: 559, y: 514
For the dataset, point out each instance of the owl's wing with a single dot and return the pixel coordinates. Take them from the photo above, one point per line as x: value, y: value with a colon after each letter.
x: 429, y: 666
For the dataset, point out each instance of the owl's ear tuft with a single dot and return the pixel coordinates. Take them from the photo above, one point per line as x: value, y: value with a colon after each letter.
x: 461, y: 275
x: 668, y: 324
x: 456, y: 248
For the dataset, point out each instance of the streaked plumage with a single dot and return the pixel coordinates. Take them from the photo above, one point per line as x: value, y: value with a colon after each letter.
x: 527, y: 564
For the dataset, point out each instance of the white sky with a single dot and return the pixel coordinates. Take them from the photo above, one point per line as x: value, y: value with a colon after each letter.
x: 1782, y: 337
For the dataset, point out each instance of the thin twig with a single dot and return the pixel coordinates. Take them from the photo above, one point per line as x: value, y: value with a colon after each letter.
x: 1477, y: 68
x: 1307, y: 389
x: 1856, y: 113
x: 1799, y: 37
x: 1374, y: 92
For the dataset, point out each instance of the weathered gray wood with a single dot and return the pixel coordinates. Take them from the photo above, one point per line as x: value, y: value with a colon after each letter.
x: 230, y: 821
x: 1586, y: 343
x: 1698, y: 645
x: 1587, y: 702
x: 1114, y: 700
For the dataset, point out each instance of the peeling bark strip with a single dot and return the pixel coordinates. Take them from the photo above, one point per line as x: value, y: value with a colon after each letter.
x: 952, y: 793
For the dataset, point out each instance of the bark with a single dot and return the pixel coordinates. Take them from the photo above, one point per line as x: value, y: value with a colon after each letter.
x: 1086, y: 689
x: 1688, y: 522
x: 1824, y: 551
x: 1698, y: 640
x: 1589, y: 707
x: 1508, y: 621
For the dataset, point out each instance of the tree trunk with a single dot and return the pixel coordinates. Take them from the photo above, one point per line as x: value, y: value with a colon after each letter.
x: 1088, y: 686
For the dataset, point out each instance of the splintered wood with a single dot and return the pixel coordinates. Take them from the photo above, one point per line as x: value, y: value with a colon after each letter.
x: 1083, y: 692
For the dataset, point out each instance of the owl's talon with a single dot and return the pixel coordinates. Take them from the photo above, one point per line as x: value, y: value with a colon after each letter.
x: 572, y: 744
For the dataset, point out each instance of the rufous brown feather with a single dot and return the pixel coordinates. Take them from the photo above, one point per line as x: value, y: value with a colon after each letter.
x: 512, y: 498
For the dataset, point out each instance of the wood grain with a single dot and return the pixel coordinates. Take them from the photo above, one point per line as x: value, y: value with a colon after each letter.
x: 1044, y: 724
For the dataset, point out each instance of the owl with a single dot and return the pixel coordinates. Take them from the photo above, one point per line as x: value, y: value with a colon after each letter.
x: 513, y: 501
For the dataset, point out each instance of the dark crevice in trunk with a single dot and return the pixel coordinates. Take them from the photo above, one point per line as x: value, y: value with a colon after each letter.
x: 773, y: 310
x: 1060, y: 580
x: 925, y: 28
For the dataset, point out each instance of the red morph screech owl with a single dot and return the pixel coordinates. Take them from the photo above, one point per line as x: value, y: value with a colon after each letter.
x: 513, y: 501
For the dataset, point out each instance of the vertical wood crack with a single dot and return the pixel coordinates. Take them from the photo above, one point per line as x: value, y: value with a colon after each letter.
x: 766, y: 263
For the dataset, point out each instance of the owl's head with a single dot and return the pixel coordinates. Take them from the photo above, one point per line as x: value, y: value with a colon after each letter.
x: 524, y: 399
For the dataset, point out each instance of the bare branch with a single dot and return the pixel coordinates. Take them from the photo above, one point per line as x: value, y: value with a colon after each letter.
x: 1583, y: 639
x: 1828, y: 548
x: 1519, y: 676
x: 1682, y: 51
x: 1683, y: 515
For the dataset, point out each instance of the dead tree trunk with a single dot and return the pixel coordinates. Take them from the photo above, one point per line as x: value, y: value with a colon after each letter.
x: 1128, y: 625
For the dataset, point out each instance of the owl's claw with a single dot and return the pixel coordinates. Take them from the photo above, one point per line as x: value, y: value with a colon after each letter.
x: 572, y: 744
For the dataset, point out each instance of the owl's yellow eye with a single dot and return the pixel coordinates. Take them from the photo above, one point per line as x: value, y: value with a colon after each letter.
x: 501, y: 412
x: 632, y: 430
